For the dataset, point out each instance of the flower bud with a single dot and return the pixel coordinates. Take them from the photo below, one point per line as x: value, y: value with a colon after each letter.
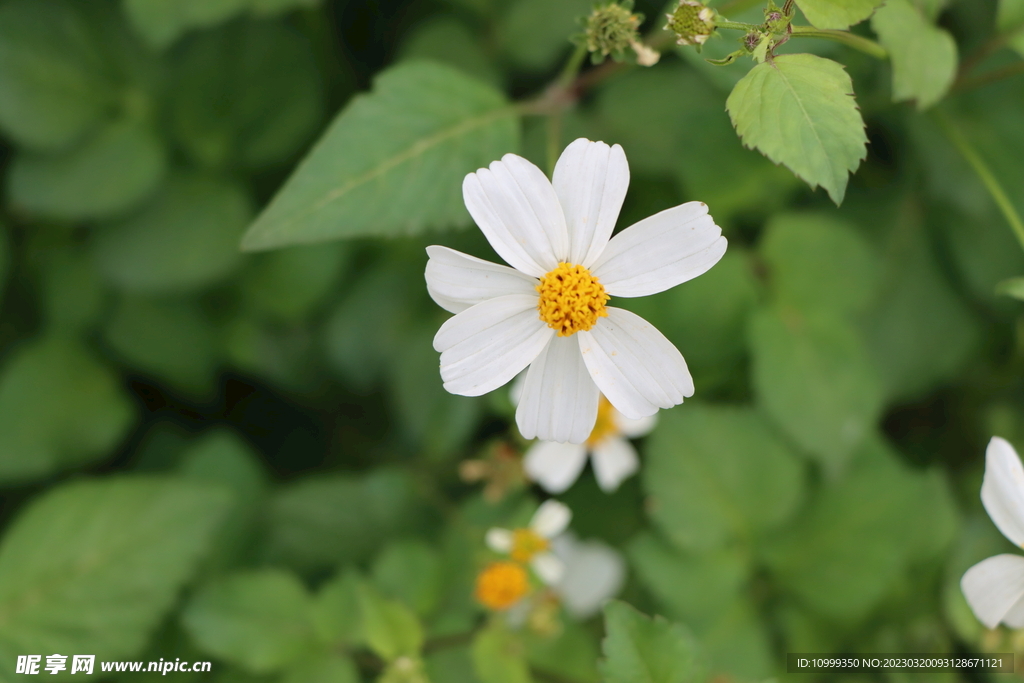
x: 611, y: 30
x: 692, y: 22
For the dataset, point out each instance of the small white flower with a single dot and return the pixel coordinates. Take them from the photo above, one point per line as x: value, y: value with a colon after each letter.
x: 532, y: 545
x: 548, y: 311
x: 994, y: 588
x: 556, y: 466
x: 594, y: 573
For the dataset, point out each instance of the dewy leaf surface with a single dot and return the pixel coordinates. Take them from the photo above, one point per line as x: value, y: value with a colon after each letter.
x: 393, y: 161
x: 837, y: 13
x: 799, y: 111
x: 924, y: 57
x: 91, y: 567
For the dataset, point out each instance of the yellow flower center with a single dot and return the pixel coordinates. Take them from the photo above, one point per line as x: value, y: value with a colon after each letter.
x: 605, y: 425
x: 526, y: 543
x: 501, y: 585
x: 571, y: 299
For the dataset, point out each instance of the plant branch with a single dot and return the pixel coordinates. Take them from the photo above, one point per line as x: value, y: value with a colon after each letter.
x: 865, y: 45
x: 1007, y: 71
x: 984, y: 173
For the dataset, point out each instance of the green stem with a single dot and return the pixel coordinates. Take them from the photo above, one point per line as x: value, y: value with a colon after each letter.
x: 572, y: 66
x: 989, y: 179
x: 735, y: 25
x: 861, y: 43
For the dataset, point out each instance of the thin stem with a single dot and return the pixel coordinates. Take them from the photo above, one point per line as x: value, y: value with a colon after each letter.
x: 736, y: 25
x: 1007, y: 71
x: 861, y: 43
x: 572, y: 66
x: 988, y: 178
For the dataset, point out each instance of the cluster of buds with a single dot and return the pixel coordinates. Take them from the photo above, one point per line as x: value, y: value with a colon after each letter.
x: 692, y: 22
x: 612, y: 30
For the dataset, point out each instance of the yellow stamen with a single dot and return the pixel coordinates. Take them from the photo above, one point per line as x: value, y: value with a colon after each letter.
x: 526, y: 543
x: 605, y: 425
x: 501, y: 585
x: 571, y: 299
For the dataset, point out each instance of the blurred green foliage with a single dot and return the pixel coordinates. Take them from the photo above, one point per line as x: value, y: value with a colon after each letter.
x: 213, y: 454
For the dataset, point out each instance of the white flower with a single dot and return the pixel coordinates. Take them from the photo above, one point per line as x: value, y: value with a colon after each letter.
x: 594, y: 573
x: 533, y: 545
x: 994, y: 588
x: 555, y: 466
x: 548, y: 311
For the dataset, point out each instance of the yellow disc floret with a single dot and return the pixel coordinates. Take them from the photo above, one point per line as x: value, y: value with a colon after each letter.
x: 501, y: 585
x: 571, y: 299
x: 526, y: 543
x: 605, y: 425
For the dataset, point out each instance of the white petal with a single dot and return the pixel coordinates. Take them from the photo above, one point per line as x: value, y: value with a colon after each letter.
x: 519, y: 214
x: 993, y: 587
x: 555, y: 466
x: 559, y: 399
x: 488, y: 344
x: 590, y: 180
x: 634, y: 365
x: 457, y: 281
x: 633, y: 429
x: 661, y: 252
x: 614, y: 460
x: 1002, y: 490
x: 594, y: 573
x: 499, y: 540
x: 548, y: 567
x: 550, y: 519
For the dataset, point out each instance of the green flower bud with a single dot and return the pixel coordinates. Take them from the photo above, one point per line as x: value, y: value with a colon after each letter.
x: 612, y: 29
x: 692, y: 22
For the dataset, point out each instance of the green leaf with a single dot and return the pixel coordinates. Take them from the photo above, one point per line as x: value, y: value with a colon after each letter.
x: 184, y: 239
x: 161, y: 22
x: 93, y: 566
x: 571, y: 653
x: 449, y: 41
x: 1010, y: 20
x: 171, y: 340
x: 5, y: 256
x: 704, y: 487
x: 336, y: 611
x: 1013, y: 287
x: 534, y: 33
x: 109, y: 172
x: 258, y: 107
x: 860, y: 532
x: 325, y: 520
x: 819, y: 263
x: 271, y: 7
x: 839, y: 14
x: 639, y: 649
x: 328, y: 669
x: 924, y: 57
x: 799, y: 111
x: 390, y: 628
x: 259, y: 620
x: 59, y: 408
x: 287, y: 284
x: 71, y: 294
x: 52, y: 84
x: 499, y: 656
x: 393, y: 161
x: 411, y: 572
x: 812, y: 375
x: 671, y: 575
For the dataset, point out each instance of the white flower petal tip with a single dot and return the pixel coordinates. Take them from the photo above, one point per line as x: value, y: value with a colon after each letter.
x: 661, y: 251
x: 555, y: 466
x: 499, y: 540
x: 457, y: 281
x: 594, y: 574
x: 548, y: 568
x: 551, y: 519
x: 634, y: 429
x: 994, y: 589
x: 1002, y: 490
x: 590, y: 180
x: 615, y: 460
